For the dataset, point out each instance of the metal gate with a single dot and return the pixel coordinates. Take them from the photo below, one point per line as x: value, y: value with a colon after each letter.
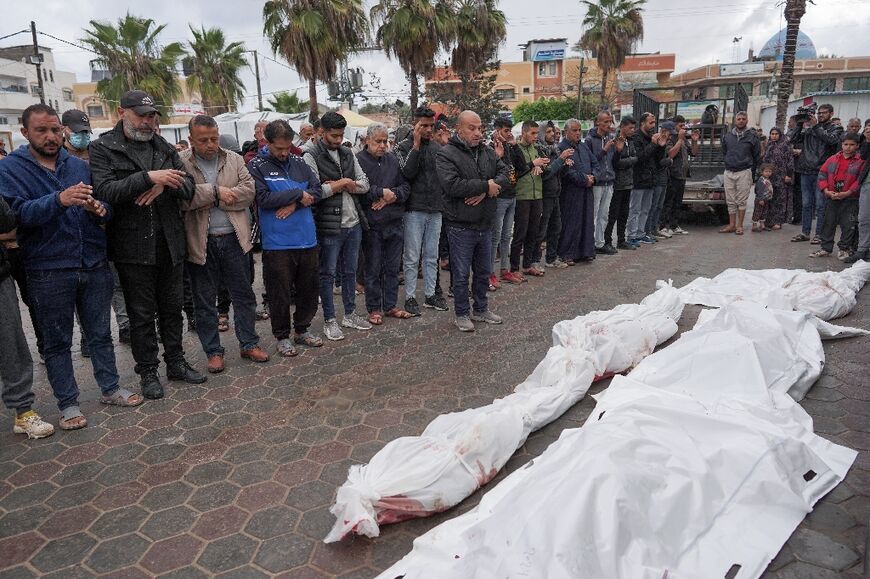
x: 741, y: 101
x: 643, y: 103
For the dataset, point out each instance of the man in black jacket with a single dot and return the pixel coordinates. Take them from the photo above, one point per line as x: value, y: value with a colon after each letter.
x: 16, y: 367
x: 624, y: 159
x: 821, y: 139
x: 141, y: 176
x: 741, y: 155
x: 340, y: 222
x: 416, y: 155
x: 650, y: 147
x: 472, y: 176
x: 550, y: 227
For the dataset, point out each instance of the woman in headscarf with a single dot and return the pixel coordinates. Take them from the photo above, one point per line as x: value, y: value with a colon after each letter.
x: 779, y: 154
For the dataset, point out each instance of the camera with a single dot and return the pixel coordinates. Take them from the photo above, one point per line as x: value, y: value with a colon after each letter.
x: 805, y: 112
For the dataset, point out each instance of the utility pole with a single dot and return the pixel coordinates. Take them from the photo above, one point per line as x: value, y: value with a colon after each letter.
x: 580, y: 87
x: 257, y: 74
x: 37, y: 60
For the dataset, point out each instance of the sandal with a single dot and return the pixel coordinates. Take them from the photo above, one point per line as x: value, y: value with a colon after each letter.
x: 286, y: 348
x: 72, y: 419
x: 399, y: 313
x: 739, y: 231
x: 308, y: 339
x: 800, y: 237
x: 533, y: 271
x: 223, y: 322
x: 122, y: 397
x: 816, y: 240
x: 376, y: 319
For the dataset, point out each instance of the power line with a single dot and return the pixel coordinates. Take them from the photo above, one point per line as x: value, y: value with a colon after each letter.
x: 13, y: 34
x: 68, y: 42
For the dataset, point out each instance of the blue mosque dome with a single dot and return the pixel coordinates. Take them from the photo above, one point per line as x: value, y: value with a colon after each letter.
x: 774, y: 47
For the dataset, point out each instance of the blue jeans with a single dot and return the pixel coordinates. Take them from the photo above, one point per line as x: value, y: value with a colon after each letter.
x: 813, y: 202
x: 57, y: 294
x: 503, y: 230
x: 346, y: 243
x: 655, y: 209
x: 638, y: 211
x: 470, y: 254
x: 422, y: 233
x: 383, y: 251
x: 225, y: 265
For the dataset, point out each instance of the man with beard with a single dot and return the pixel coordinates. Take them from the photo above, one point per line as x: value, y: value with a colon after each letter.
x: 142, y: 177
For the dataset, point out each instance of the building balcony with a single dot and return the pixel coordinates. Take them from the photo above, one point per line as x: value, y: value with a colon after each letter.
x: 16, y: 101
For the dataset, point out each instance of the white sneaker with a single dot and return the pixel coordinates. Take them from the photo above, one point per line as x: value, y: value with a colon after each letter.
x: 680, y: 231
x: 558, y: 264
x: 356, y: 321
x: 666, y: 232
x: 842, y: 254
x: 332, y: 331
x: 32, y: 425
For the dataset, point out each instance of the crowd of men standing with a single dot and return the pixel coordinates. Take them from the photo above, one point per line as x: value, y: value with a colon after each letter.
x: 495, y: 211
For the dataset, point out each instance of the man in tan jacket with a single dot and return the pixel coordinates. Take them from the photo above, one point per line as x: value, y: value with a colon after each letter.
x: 218, y: 229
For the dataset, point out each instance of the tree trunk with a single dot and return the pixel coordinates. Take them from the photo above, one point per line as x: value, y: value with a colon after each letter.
x: 312, y: 100
x: 415, y: 90
x: 794, y: 11
x: 604, y: 72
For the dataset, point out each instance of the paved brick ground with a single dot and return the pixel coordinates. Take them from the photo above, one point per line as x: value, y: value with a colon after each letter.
x: 235, y: 478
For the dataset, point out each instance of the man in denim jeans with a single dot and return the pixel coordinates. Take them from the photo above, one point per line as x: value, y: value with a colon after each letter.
x: 340, y: 221
x: 650, y: 147
x: 472, y: 176
x: 505, y: 206
x: 218, y: 228
x: 64, y: 249
x: 416, y: 155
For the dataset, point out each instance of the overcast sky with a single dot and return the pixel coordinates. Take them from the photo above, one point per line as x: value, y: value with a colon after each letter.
x: 699, y: 32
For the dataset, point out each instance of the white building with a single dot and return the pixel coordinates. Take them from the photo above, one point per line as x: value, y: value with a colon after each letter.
x: 19, y: 88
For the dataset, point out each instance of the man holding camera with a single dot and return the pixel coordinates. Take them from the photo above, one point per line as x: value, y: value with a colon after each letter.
x: 821, y: 140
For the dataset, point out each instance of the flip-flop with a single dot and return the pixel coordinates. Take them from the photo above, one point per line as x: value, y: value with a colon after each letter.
x: 375, y: 318
x: 122, y: 397
x: 223, y: 323
x: 398, y: 313
x: 739, y: 231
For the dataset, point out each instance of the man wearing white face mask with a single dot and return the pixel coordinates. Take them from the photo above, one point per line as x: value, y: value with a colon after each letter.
x: 76, y: 133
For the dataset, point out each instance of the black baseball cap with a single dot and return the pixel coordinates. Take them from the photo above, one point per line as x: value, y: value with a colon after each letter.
x: 76, y: 121
x: 139, y: 102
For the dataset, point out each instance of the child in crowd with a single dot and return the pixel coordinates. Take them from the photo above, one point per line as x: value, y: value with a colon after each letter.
x: 838, y: 180
x: 763, y: 195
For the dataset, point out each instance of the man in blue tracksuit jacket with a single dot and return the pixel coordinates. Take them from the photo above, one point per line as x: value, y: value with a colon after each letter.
x: 285, y: 190
x: 64, y: 252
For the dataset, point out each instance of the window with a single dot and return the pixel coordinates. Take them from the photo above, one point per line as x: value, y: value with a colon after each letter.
x: 570, y: 87
x: 857, y: 83
x: 51, y: 75
x: 44, y: 74
x: 506, y: 94
x: 95, y: 111
x: 817, y: 85
x: 34, y: 88
x: 546, y: 69
x: 4, y: 120
x: 68, y: 95
x: 56, y: 106
x: 527, y: 90
x: 728, y: 91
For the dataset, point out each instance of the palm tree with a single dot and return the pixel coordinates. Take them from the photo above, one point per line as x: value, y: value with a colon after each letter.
x: 213, y: 69
x: 479, y: 27
x: 413, y: 31
x: 314, y: 35
x: 285, y: 102
x: 794, y: 11
x: 134, y: 58
x: 612, y: 29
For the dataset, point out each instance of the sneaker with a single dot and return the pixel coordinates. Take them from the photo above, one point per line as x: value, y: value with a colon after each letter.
x: 182, y: 371
x: 820, y: 253
x: 680, y: 231
x: 356, y: 322
x: 32, y: 425
x: 842, y: 255
x: 436, y: 302
x: 646, y: 239
x: 332, y: 331
x: 464, y: 324
x: 263, y: 313
x: 539, y: 266
x: 609, y: 250
x: 150, y: 384
x: 857, y: 256
x: 666, y: 232
x: 656, y: 235
x: 486, y: 316
x: 625, y: 245
x: 599, y: 250
x: 412, y: 307
x: 449, y: 292
x: 816, y: 240
x: 494, y: 284
x: 336, y: 290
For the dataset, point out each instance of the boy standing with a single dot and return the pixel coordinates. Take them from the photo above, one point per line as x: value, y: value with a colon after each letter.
x: 838, y: 181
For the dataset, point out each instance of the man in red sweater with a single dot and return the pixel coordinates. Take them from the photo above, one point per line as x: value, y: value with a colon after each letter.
x: 838, y: 180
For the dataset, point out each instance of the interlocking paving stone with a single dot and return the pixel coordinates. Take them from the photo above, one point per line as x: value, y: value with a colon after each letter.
x: 235, y: 478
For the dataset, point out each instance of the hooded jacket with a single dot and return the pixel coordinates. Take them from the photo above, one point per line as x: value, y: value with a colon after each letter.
x: 820, y: 142
x: 604, y: 172
x: 383, y: 173
x: 465, y: 172
x: 119, y: 178
x: 418, y: 168
x: 839, y: 169
x: 232, y: 173
x: 51, y: 236
x: 647, y: 166
x: 623, y: 163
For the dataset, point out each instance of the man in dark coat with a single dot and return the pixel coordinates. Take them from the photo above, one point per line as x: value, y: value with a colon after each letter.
x: 141, y: 176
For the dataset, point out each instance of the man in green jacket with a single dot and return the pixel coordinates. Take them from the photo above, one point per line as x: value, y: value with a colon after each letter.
x: 531, y: 164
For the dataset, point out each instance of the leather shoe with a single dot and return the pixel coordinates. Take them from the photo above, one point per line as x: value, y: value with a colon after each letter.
x: 255, y: 354
x: 181, y: 371
x: 215, y: 364
x: 150, y: 384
